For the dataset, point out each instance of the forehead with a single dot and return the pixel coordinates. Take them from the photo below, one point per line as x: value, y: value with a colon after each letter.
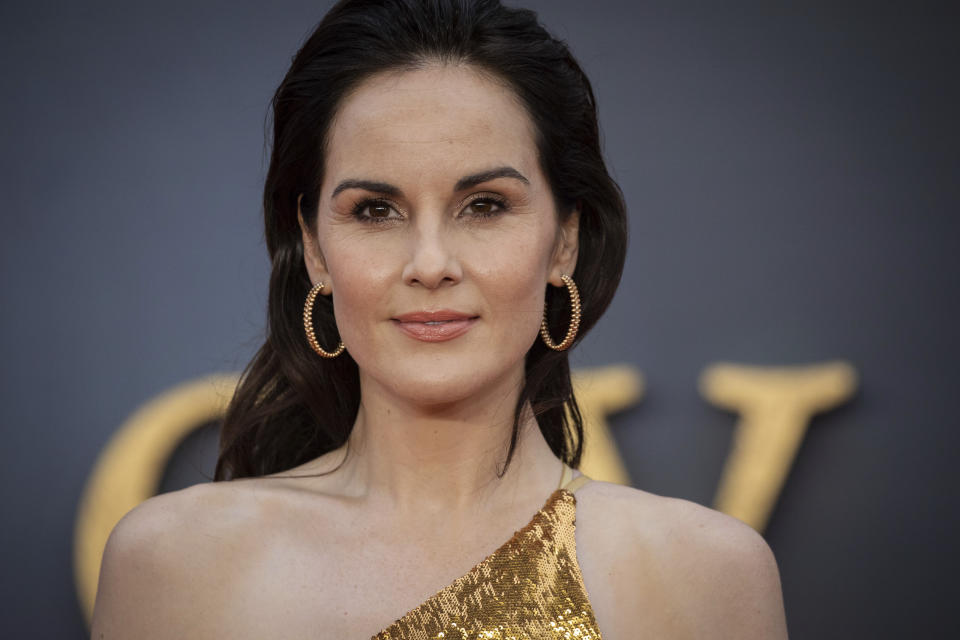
x: 432, y: 124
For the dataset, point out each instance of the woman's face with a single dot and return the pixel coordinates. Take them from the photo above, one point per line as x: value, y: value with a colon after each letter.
x: 433, y: 201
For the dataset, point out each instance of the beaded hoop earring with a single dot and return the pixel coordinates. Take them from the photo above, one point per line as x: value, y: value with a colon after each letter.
x: 574, y: 318
x: 308, y: 325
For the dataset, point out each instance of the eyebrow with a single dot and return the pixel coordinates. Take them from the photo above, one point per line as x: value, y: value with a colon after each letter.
x: 465, y: 182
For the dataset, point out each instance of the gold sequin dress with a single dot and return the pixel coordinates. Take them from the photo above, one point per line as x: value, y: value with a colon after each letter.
x: 528, y: 589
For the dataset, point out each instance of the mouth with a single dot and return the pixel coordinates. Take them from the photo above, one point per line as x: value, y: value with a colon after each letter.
x: 441, y: 315
x: 435, y: 326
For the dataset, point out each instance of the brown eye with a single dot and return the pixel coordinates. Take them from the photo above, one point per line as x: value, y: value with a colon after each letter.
x: 487, y: 207
x: 483, y: 207
x: 374, y: 211
x: 379, y: 210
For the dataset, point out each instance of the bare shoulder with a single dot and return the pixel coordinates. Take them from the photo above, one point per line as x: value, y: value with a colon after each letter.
x: 163, y: 561
x: 670, y: 525
x: 689, y: 569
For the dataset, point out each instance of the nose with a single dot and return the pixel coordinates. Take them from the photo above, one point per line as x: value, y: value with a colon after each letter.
x: 433, y: 258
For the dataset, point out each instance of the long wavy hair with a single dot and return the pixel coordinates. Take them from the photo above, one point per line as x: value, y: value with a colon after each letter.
x: 292, y: 406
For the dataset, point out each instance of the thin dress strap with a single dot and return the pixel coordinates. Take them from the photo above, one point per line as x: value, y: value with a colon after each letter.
x: 565, y: 476
x: 568, y: 482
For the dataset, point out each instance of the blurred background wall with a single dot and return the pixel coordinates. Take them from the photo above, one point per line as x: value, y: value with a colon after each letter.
x: 791, y: 171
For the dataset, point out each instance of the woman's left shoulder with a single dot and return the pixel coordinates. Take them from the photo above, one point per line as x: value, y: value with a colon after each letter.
x: 701, y: 568
x: 668, y: 525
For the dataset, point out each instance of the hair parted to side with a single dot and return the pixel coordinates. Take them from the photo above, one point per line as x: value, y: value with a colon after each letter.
x: 292, y: 406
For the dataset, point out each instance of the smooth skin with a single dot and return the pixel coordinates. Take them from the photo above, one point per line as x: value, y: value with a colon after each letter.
x: 417, y: 502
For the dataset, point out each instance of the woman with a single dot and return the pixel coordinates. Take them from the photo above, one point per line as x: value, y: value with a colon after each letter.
x: 438, y: 215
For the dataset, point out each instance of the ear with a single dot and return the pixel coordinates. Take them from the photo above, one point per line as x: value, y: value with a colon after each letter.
x: 313, y: 258
x: 567, y: 248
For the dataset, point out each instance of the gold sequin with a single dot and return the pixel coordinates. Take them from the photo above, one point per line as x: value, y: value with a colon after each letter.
x: 528, y: 589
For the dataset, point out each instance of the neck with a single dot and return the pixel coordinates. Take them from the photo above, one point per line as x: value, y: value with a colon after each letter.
x: 443, y: 458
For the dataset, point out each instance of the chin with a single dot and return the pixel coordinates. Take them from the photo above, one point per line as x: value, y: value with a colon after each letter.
x: 430, y: 385
x: 442, y: 388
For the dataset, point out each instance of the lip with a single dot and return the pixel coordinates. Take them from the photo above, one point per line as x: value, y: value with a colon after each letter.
x: 440, y: 315
x: 452, y: 324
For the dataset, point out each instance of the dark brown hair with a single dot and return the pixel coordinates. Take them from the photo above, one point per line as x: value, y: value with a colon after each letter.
x: 291, y: 405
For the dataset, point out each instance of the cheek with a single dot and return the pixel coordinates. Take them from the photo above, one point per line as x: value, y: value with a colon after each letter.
x: 513, y: 277
x: 513, y: 282
x: 361, y: 280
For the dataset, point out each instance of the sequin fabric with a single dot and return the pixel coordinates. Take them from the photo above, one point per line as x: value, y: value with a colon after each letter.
x: 530, y: 588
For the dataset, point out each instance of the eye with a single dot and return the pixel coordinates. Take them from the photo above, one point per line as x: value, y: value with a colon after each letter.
x: 374, y: 211
x: 486, y: 206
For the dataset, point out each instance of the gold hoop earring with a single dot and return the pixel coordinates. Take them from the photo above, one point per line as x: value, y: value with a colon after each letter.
x: 574, y: 318
x: 308, y: 325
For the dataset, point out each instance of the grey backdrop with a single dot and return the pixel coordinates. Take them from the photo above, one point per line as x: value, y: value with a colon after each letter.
x: 791, y: 174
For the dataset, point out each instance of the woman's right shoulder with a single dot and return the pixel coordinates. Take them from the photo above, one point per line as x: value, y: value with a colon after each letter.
x: 186, y: 526
x: 164, y: 560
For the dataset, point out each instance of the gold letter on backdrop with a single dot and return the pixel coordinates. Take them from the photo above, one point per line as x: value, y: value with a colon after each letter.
x: 601, y: 392
x: 131, y: 466
x: 775, y: 406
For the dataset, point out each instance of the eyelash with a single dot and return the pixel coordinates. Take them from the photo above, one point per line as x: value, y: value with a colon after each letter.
x: 357, y: 211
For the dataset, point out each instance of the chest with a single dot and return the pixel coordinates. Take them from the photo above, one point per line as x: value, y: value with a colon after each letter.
x: 347, y: 586
x: 308, y: 608
x: 355, y: 582
x: 312, y: 600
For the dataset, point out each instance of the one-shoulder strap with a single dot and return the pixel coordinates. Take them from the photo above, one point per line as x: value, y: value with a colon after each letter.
x: 565, y: 476
x: 571, y: 484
